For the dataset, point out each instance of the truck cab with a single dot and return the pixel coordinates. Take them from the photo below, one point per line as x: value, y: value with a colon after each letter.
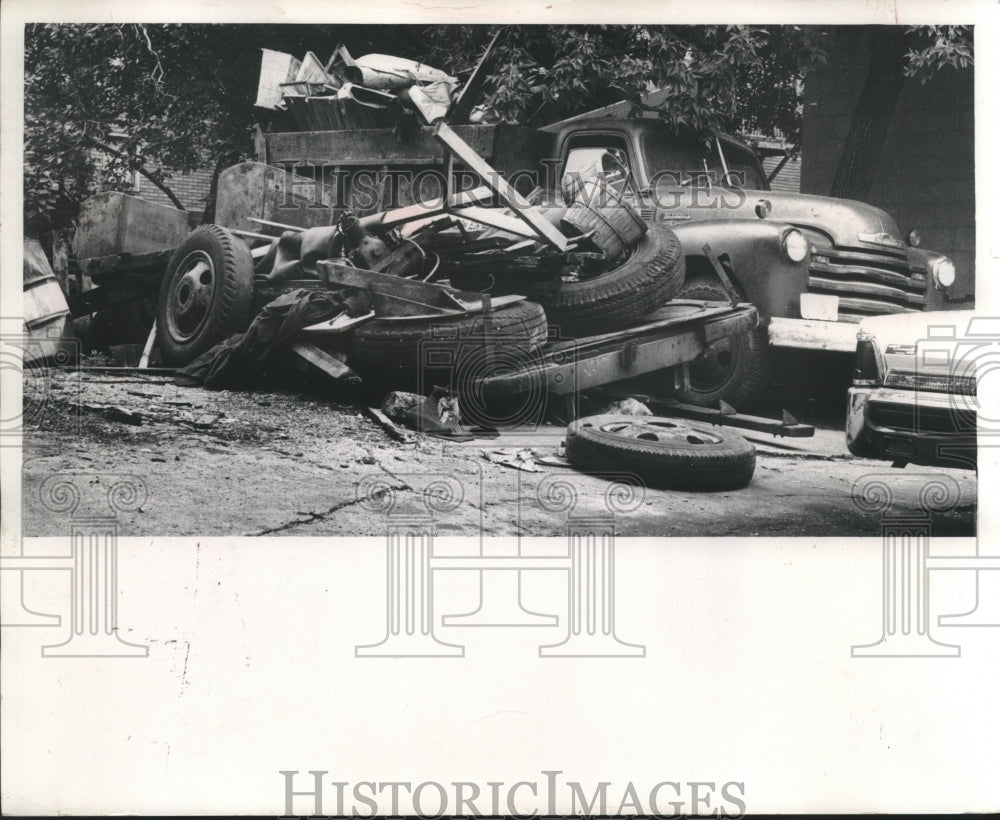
x: 813, y: 266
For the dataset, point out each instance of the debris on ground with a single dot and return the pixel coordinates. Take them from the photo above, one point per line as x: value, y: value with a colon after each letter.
x: 518, y: 459
x: 382, y: 420
x: 627, y: 407
x: 115, y: 413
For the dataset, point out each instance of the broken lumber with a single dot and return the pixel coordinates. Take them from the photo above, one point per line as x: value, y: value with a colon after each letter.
x: 538, y: 223
x: 329, y: 364
x: 383, y: 421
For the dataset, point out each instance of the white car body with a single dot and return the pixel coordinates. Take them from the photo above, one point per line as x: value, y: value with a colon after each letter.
x: 917, y: 386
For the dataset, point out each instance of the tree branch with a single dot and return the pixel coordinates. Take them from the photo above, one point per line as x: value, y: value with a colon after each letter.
x: 140, y: 168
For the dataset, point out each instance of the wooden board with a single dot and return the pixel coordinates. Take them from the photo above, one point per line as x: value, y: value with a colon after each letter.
x: 538, y: 223
x: 370, y: 146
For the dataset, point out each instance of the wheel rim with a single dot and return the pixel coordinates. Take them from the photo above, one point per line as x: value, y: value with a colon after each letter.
x: 660, y: 430
x: 716, y: 366
x: 191, y: 295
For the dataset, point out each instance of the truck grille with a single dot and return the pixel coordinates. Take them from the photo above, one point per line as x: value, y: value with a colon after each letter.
x: 869, y: 283
x: 954, y: 384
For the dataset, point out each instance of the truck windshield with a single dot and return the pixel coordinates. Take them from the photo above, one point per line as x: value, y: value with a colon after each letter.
x: 672, y: 162
x: 597, y: 155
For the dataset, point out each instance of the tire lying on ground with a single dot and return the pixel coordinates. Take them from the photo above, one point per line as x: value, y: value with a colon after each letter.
x: 206, y: 294
x: 661, y: 452
x: 414, y: 354
x: 735, y: 369
x: 649, y: 277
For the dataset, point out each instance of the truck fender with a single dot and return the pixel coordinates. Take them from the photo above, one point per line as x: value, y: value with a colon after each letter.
x: 760, y: 268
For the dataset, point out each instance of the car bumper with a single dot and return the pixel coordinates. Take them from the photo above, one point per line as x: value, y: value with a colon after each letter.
x: 813, y: 334
x: 910, y: 427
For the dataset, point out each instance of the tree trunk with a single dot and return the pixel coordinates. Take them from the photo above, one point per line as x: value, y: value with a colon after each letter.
x: 222, y: 162
x: 142, y: 170
x: 872, y: 115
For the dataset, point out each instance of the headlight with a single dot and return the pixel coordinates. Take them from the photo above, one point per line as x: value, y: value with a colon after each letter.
x: 795, y: 245
x: 943, y: 271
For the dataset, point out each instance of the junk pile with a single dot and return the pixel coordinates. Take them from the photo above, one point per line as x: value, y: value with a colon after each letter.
x: 344, y: 93
x: 435, y: 293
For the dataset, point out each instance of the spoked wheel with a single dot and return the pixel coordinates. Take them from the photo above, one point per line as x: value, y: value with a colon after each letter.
x: 661, y: 452
x: 206, y: 294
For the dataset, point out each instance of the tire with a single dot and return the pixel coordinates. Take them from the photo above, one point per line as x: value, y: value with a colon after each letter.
x: 662, y: 452
x: 415, y: 355
x: 735, y: 370
x: 206, y: 294
x: 622, y: 297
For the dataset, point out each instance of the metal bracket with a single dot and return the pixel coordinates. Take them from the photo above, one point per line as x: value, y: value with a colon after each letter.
x: 720, y: 271
x: 629, y: 353
x: 727, y: 415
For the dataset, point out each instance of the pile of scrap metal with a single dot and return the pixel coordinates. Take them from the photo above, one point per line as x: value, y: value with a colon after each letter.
x: 449, y: 285
x: 372, y: 91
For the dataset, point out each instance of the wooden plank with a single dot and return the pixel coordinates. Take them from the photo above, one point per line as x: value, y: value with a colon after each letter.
x: 383, y: 421
x: 495, y: 218
x: 148, y: 349
x: 434, y: 296
x: 545, y: 229
x: 425, y: 210
x: 474, y: 85
x: 252, y: 234
x: 281, y: 225
x: 371, y: 146
x: 330, y: 365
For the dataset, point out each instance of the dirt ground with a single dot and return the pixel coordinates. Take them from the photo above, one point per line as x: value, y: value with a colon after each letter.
x: 292, y: 463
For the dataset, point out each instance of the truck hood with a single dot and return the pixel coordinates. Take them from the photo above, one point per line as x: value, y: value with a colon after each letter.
x: 845, y: 222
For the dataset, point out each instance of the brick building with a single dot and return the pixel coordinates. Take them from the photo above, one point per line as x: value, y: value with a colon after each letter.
x: 191, y: 188
x: 926, y: 177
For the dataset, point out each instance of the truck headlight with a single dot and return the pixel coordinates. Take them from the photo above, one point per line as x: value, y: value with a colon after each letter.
x: 943, y: 271
x: 795, y: 245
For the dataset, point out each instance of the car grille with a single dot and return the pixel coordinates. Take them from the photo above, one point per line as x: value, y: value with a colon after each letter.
x: 956, y: 385
x: 915, y: 418
x: 868, y: 283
